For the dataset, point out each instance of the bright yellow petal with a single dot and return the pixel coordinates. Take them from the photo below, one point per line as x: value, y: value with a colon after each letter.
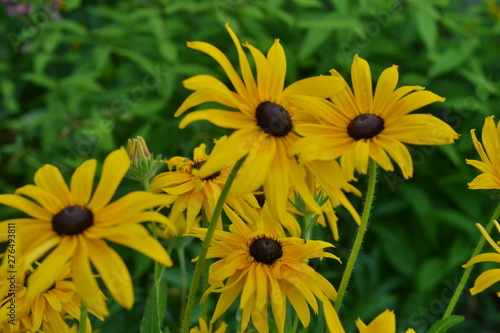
x: 50, y: 179
x: 84, y: 279
x: 26, y: 206
x: 46, y: 199
x: 411, y: 102
x: 385, y: 87
x: 113, y: 272
x: 320, y: 86
x: 114, y: 169
x: 226, y: 119
x: 362, y: 84
x: 227, y: 153
x: 255, y: 169
x: 82, y: 182
x: 420, y: 129
x: 51, y: 267
x: 277, y: 64
x: 136, y: 237
x: 485, y: 280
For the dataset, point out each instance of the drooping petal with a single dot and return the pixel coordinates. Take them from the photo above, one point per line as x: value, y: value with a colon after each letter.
x: 113, y: 272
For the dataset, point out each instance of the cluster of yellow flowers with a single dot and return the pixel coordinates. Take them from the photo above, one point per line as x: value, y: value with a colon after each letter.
x: 293, y: 155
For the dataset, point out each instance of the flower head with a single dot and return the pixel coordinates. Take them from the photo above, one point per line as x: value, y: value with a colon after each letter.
x: 488, y: 278
x: 357, y: 124
x: 192, y: 192
x: 489, y: 151
x: 69, y: 224
x: 47, y: 311
x: 264, y: 266
x: 263, y: 117
x: 144, y: 166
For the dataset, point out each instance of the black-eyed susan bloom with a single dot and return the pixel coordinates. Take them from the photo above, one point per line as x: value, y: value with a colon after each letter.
x: 491, y: 276
x: 192, y: 193
x: 48, y: 311
x: 267, y: 270
x: 383, y: 323
x: 72, y: 224
x: 489, y: 152
x: 262, y: 115
x: 357, y: 125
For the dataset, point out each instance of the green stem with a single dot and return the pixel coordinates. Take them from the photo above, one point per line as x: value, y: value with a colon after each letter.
x: 468, y: 270
x: 82, y: 327
x: 206, y: 243
x: 370, y: 193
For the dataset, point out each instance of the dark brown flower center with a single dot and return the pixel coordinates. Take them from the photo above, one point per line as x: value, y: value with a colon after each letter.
x: 266, y: 250
x: 72, y: 220
x: 273, y: 119
x: 198, y: 165
x: 365, y: 126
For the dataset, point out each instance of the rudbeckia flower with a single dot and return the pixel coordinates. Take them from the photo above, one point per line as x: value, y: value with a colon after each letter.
x: 264, y: 268
x: 383, y: 323
x: 489, y: 151
x: 263, y: 117
x: 47, y: 311
x: 69, y: 223
x: 357, y: 125
x: 192, y: 192
x: 491, y: 276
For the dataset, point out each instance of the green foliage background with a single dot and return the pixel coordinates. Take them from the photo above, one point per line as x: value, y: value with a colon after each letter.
x: 77, y: 81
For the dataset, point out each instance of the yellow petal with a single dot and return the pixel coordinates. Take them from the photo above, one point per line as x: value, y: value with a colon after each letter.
x: 46, y: 199
x: 113, y: 272
x: 226, y: 119
x: 114, y: 169
x: 84, y: 279
x: 82, y: 182
x: 26, y: 206
x: 136, y: 237
x: 228, y: 152
x: 50, y: 179
x: 362, y: 84
x: 255, y: 169
x: 277, y: 64
x: 485, y: 280
x: 385, y: 87
x: 51, y: 267
x: 320, y: 86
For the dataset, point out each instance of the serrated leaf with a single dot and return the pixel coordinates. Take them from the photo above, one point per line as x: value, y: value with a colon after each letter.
x: 444, y: 324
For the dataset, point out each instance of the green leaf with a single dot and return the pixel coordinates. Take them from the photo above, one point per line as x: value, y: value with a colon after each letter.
x: 430, y: 274
x: 155, y: 308
x: 40, y: 79
x: 426, y: 20
x: 148, y: 107
x: 444, y: 324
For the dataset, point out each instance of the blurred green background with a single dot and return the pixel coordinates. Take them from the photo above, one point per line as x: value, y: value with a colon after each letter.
x: 77, y: 79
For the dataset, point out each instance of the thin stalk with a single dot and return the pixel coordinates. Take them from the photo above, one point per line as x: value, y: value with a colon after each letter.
x: 370, y: 193
x: 468, y: 270
x: 82, y: 327
x: 206, y: 243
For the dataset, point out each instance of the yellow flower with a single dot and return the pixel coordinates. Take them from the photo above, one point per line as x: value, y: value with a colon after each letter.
x: 263, y: 266
x: 359, y: 125
x: 191, y: 191
x: 489, y: 152
x: 47, y: 311
x: 488, y: 278
x: 69, y: 223
x: 262, y: 115
x: 204, y: 328
x: 383, y: 323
